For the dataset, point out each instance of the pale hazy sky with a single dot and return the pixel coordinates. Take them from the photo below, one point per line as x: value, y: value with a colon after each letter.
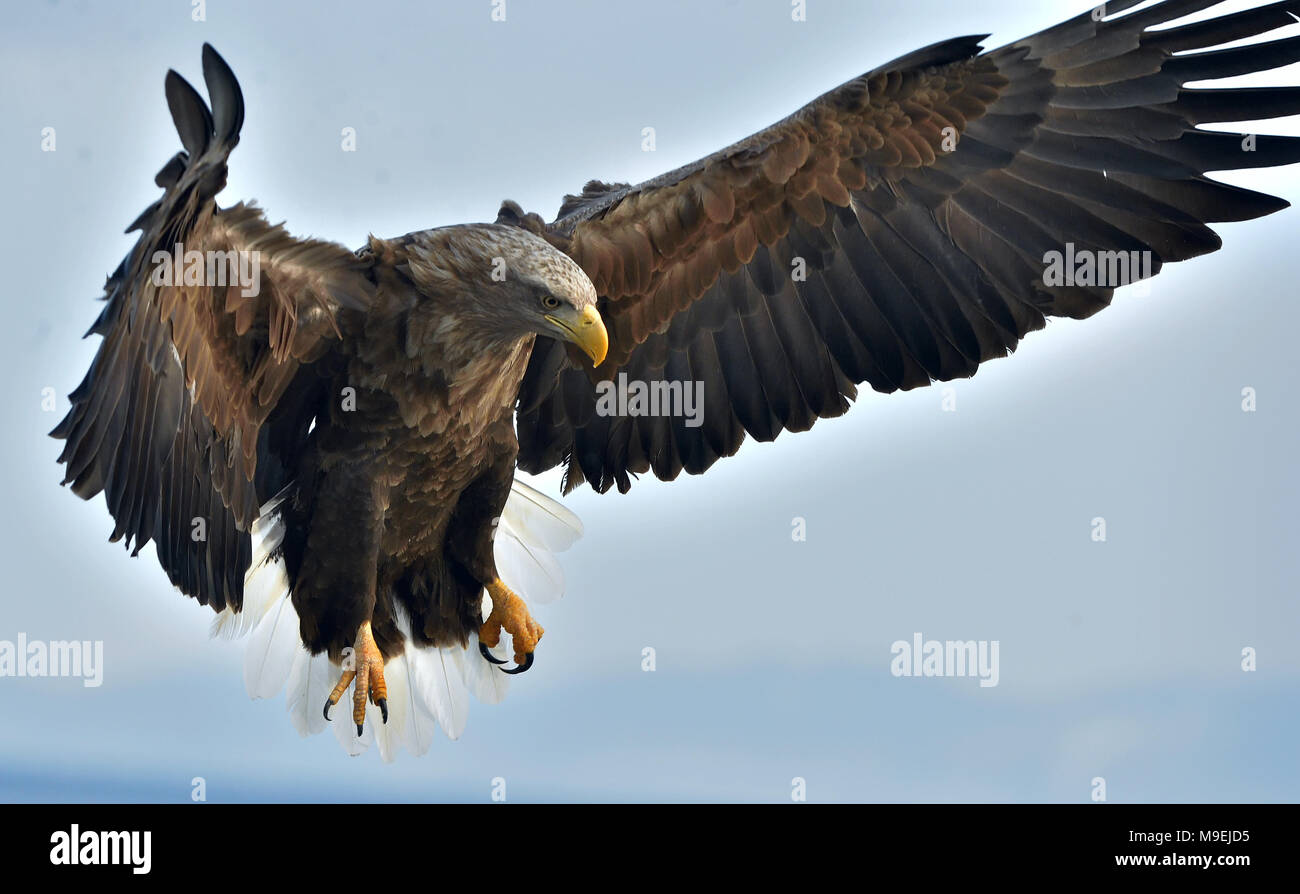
x: 1118, y: 659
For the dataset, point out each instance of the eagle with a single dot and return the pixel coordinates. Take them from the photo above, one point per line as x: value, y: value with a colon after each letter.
x: 322, y: 443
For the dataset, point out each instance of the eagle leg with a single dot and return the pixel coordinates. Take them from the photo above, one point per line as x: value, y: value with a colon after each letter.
x: 368, y: 671
x: 510, y: 614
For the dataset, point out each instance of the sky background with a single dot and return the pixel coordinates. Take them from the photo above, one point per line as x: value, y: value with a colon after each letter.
x: 1118, y: 659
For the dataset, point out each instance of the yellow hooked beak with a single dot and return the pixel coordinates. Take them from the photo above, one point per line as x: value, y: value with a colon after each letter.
x: 586, y: 330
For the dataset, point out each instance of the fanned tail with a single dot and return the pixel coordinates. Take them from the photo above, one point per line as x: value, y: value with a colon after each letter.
x: 428, y: 688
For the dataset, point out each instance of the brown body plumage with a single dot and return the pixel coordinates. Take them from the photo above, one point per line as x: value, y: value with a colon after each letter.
x: 397, y: 493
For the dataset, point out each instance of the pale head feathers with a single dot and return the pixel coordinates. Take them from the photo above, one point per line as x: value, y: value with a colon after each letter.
x: 496, y: 266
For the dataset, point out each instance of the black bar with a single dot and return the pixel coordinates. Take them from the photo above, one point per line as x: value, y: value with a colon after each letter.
x: 216, y: 842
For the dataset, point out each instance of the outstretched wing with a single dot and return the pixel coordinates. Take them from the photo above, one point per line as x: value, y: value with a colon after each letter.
x: 921, y: 201
x: 201, y: 393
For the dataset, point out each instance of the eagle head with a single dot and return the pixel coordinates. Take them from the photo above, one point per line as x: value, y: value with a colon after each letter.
x: 509, y: 284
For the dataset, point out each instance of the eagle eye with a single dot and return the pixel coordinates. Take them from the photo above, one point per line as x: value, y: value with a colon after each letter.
x: 550, y: 302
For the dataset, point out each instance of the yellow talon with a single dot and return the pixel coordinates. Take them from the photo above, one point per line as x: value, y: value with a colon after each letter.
x: 510, y: 613
x: 367, y: 669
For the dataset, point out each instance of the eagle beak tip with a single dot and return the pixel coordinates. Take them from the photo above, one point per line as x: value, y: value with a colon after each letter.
x: 588, y: 333
x: 593, y: 337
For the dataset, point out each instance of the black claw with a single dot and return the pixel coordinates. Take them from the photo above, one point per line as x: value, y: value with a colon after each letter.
x: 328, y: 704
x: 528, y: 662
x: 488, y: 655
x: 358, y: 729
x: 383, y: 707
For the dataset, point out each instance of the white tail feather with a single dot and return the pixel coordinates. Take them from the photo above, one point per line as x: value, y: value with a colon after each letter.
x: 417, y: 726
x: 271, y: 648
x: 267, y: 530
x: 540, y: 521
x: 436, y: 681
x: 310, y: 682
x: 265, y: 581
x: 484, y: 681
x: 427, y: 687
x: 533, y: 527
x: 390, y: 736
x: 528, y: 569
x: 453, y: 695
x: 345, y: 730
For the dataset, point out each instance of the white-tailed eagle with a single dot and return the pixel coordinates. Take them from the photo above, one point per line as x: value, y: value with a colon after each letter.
x: 325, y: 453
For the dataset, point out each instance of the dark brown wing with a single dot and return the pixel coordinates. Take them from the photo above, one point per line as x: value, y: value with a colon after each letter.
x: 198, y: 398
x: 922, y: 198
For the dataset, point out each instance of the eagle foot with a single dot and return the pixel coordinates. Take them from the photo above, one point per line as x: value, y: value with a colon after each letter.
x: 367, y: 669
x: 510, y: 614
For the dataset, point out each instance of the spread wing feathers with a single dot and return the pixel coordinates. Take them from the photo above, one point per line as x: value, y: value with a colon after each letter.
x: 194, y: 406
x: 921, y: 199
x: 428, y: 688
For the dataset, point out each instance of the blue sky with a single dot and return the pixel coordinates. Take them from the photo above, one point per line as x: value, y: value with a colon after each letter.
x: 1118, y: 659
